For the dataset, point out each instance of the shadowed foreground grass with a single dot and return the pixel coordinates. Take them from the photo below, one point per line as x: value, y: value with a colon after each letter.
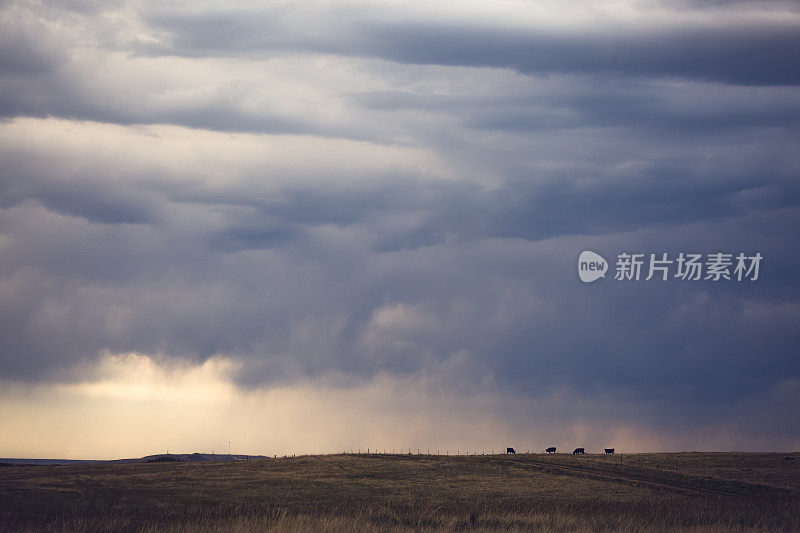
x: 693, y: 491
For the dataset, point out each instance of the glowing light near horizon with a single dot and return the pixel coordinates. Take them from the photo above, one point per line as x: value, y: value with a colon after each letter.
x: 135, y: 404
x: 139, y: 377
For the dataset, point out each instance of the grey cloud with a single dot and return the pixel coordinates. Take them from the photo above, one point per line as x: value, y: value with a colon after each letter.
x: 256, y: 234
x: 747, y: 54
x: 57, y: 96
x: 759, y: 5
x: 306, y: 306
x: 663, y: 193
x: 112, y: 209
x: 360, y: 268
x: 92, y: 198
x: 20, y: 55
x: 43, y: 76
x: 570, y: 103
x: 593, y: 89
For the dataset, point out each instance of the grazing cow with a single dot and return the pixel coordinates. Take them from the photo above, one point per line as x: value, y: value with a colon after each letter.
x: 551, y: 449
x: 578, y: 451
x: 609, y: 450
x: 510, y: 450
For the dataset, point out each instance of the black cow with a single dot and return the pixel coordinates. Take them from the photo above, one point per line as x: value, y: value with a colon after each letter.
x: 510, y: 450
x: 578, y: 451
x: 609, y: 450
x: 551, y: 449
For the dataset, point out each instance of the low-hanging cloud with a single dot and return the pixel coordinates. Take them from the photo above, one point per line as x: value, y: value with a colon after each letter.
x: 362, y: 205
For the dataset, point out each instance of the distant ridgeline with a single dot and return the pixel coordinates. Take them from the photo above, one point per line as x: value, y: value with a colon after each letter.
x: 159, y: 458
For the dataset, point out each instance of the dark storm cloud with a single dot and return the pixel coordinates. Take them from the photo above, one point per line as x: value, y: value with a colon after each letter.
x: 747, y: 55
x: 659, y: 111
x: 107, y: 207
x: 50, y: 96
x: 643, y: 109
x: 22, y: 55
x: 741, y: 53
x: 84, y: 195
x: 323, y: 258
x: 603, y: 59
x: 756, y: 5
x: 289, y: 299
x: 667, y: 193
x: 251, y: 304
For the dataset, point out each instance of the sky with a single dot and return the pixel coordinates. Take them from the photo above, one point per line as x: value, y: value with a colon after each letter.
x: 304, y: 227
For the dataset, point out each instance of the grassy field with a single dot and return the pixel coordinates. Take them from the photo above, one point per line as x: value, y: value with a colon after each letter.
x: 687, y: 491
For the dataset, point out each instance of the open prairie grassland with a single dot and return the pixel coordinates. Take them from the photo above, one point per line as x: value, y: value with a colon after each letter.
x: 687, y: 491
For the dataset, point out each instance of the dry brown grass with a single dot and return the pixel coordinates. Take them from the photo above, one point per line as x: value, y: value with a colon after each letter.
x: 707, y: 492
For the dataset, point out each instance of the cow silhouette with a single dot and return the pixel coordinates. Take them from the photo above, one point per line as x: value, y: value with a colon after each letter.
x: 510, y: 450
x: 578, y: 451
x: 609, y: 450
x: 551, y: 449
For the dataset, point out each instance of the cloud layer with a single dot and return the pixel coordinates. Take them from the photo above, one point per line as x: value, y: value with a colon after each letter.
x: 368, y: 195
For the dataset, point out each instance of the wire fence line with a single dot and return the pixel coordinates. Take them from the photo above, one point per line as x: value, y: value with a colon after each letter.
x: 442, y: 452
